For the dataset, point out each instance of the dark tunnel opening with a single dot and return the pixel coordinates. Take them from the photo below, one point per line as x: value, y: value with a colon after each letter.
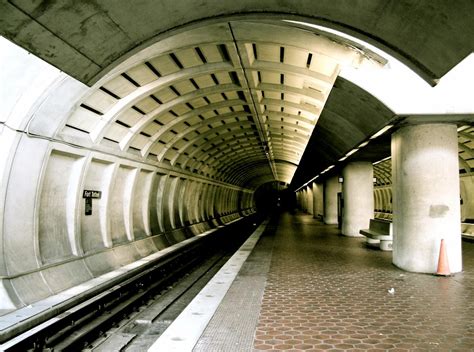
x: 274, y: 197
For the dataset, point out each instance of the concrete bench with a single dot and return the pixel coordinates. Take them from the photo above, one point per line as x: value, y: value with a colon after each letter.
x: 467, y: 231
x: 379, y: 233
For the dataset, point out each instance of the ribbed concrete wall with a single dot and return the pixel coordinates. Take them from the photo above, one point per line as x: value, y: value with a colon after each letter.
x: 48, y: 242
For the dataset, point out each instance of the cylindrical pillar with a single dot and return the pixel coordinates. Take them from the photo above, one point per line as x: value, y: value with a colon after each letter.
x: 331, y: 188
x: 358, y: 195
x: 426, y: 207
x: 310, y: 199
x: 317, y: 199
x: 304, y: 199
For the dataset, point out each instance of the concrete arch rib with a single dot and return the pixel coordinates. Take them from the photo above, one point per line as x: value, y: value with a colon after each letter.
x: 183, y: 119
x: 193, y: 136
x: 150, y: 88
x: 244, y: 127
x: 233, y: 116
x: 239, y: 163
x: 215, y: 151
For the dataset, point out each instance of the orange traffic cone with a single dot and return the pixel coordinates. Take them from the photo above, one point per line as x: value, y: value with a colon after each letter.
x: 443, y: 265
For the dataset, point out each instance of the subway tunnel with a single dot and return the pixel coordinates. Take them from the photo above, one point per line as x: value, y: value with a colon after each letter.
x: 127, y: 129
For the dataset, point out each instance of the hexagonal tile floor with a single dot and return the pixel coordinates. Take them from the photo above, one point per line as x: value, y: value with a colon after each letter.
x: 326, y: 292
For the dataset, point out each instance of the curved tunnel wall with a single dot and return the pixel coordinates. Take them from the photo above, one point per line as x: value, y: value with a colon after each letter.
x: 48, y: 243
x: 142, y: 210
x: 383, y: 201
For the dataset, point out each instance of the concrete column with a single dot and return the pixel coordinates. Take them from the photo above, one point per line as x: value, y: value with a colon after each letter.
x: 305, y: 200
x: 305, y: 192
x: 317, y: 199
x: 310, y: 199
x: 426, y: 197
x: 331, y: 188
x: 358, y: 194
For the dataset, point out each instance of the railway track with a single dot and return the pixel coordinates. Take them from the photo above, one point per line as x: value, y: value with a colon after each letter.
x: 132, y: 315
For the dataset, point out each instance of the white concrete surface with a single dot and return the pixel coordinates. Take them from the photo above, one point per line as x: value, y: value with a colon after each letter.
x: 310, y: 199
x: 426, y: 197
x: 358, y: 194
x: 331, y: 188
x: 318, y: 204
x: 183, y: 334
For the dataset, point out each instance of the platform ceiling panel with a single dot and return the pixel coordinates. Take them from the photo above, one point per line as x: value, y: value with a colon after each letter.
x: 349, y: 117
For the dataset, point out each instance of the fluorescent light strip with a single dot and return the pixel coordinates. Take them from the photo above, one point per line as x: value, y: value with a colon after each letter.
x: 381, y: 132
x: 329, y: 168
x: 384, y: 159
x: 363, y: 144
x: 298, y: 189
x: 352, y: 152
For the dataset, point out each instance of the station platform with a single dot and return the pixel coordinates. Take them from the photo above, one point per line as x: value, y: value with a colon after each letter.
x: 304, y: 287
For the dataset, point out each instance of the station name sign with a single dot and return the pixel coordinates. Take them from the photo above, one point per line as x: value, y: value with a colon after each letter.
x: 91, y: 194
x: 88, y: 195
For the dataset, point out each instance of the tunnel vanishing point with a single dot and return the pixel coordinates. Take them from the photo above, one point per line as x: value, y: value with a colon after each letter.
x: 127, y: 127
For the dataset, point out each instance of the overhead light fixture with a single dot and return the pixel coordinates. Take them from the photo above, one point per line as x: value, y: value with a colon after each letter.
x: 384, y: 159
x: 327, y: 169
x: 343, y: 158
x: 352, y: 152
x: 363, y: 144
x: 314, y: 178
x: 382, y: 131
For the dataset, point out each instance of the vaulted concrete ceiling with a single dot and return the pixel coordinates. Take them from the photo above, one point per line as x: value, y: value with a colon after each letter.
x: 227, y: 89
x: 234, y: 101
